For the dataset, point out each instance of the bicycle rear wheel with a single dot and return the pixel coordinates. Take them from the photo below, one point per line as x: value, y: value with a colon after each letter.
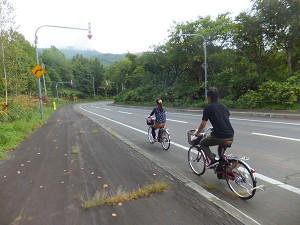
x: 150, y: 137
x: 196, y: 159
x: 165, y: 139
x: 240, y: 179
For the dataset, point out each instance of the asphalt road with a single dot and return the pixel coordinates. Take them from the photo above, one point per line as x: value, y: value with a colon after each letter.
x: 72, y: 156
x: 272, y: 144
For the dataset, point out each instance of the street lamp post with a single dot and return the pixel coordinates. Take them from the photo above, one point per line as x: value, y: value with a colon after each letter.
x: 204, y: 46
x: 37, y: 56
x: 66, y: 82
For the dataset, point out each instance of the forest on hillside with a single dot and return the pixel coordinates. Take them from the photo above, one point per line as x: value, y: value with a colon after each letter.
x: 253, y: 59
x: 104, y: 58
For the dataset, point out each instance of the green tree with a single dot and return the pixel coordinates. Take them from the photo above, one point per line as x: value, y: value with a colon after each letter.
x: 6, y: 22
x: 280, y: 19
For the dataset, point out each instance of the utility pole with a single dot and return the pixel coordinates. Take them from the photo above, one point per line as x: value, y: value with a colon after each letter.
x: 94, y: 85
x: 43, y: 65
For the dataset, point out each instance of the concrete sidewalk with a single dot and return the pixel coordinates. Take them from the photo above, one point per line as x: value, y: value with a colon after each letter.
x: 70, y: 158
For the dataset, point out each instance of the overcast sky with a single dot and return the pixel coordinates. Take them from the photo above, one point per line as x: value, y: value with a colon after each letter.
x: 118, y: 26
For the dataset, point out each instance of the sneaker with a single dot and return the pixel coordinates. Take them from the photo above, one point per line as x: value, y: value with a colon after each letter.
x: 212, y: 163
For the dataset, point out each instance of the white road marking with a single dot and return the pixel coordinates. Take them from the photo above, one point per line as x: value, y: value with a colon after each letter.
x: 268, y: 135
x: 125, y: 112
x: 107, y: 109
x: 178, y: 121
x: 123, y: 124
x: 278, y: 183
x: 260, y: 176
x: 266, y: 121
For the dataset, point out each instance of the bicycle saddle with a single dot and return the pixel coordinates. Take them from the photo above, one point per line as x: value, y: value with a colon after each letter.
x: 226, y: 144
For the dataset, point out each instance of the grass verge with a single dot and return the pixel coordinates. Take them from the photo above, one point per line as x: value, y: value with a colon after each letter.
x: 103, y: 198
x: 12, y: 133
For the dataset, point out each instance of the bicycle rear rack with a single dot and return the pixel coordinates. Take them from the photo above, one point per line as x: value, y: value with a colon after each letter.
x: 237, y: 157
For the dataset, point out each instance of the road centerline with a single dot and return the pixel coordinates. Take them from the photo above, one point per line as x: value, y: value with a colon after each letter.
x: 178, y: 121
x: 125, y: 112
x: 274, y: 136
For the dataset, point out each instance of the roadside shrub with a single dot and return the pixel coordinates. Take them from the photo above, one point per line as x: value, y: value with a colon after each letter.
x: 272, y: 93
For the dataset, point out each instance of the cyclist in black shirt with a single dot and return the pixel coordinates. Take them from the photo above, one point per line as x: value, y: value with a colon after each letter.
x: 218, y: 115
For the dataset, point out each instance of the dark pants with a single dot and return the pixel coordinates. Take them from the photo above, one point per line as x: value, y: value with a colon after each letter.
x: 212, y: 141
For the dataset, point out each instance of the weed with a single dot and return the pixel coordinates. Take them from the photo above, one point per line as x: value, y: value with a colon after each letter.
x: 209, y: 187
x: 75, y: 149
x: 102, y: 197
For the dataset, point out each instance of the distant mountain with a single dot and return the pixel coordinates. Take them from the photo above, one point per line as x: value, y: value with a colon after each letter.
x: 104, y: 58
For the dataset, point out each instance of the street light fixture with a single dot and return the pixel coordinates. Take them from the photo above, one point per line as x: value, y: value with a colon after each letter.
x: 204, y: 46
x: 37, y: 56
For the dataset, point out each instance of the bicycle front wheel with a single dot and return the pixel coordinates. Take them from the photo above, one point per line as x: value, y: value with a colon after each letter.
x: 196, y: 159
x: 240, y: 179
x: 150, y: 137
x: 165, y: 140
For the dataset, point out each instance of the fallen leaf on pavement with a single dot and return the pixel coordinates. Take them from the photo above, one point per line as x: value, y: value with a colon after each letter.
x: 18, y: 172
x: 120, y: 203
x: 105, y: 185
x: 99, y: 177
x: 114, y: 214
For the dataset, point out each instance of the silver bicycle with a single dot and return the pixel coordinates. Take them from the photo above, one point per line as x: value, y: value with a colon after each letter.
x: 162, y: 136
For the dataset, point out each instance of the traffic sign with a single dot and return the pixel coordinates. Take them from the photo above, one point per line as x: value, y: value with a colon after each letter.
x: 38, y: 71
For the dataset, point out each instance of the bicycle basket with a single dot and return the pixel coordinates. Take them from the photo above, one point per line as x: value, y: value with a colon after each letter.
x: 192, y: 139
x: 149, y: 121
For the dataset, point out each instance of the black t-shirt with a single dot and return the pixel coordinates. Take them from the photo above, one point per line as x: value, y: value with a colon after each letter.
x: 218, y: 115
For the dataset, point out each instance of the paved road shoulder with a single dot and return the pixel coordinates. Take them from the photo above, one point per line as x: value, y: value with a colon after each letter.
x: 71, y: 157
